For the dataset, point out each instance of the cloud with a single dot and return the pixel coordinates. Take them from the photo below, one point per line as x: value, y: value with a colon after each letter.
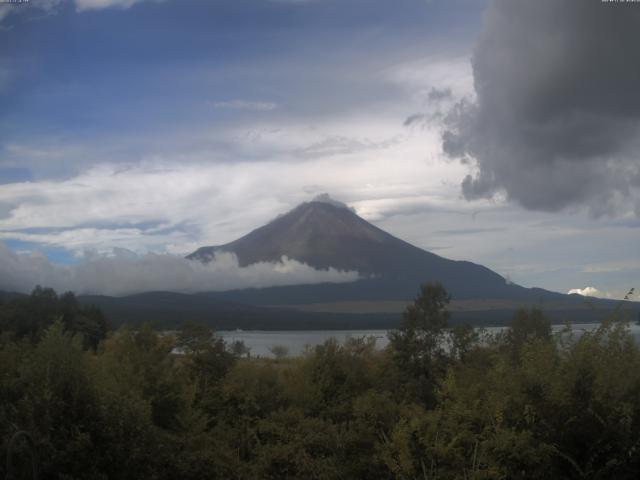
x: 469, y: 231
x: 124, y: 272
x: 556, y: 118
x: 202, y: 197
x: 28, y: 7
x: 5, y: 10
x: 82, y: 5
x: 609, y: 267
x: 340, y: 145
x: 433, y: 79
x: 48, y: 7
x: 245, y: 105
x: 415, y: 118
x: 294, y: 2
x: 439, y: 94
x: 326, y: 198
x: 588, y: 292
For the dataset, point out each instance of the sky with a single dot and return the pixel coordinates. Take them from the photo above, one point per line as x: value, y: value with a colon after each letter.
x: 504, y: 132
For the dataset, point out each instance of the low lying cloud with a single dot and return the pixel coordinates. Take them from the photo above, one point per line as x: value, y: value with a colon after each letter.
x: 589, y: 292
x: 124, y: 272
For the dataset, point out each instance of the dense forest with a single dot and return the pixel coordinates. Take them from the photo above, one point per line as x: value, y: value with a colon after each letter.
x: 438, y: 402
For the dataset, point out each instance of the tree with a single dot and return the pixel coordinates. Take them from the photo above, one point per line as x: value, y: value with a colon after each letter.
x: 279, y: 351
x: 463, y: 339
x: 240, y: 349
x: 194, y: 338
x: 206, y: 354
x: 417, y: 345
x: 28, y: 317
x: 527, y: 326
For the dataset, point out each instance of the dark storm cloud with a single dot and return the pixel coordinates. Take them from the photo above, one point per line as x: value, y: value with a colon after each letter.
x: 439, y: 94
x: 437, y: 98
x: 557, y: 114
x: 415, y: 118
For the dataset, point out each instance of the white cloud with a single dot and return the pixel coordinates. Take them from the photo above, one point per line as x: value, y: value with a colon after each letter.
x: 589, y: 292
x: 41, y: 6
x: 123, y: 272
x: 192, y: 200
x: 245, y: 105
x: 421, y: 76
x: 608, y: 267
x: 104, y: 239
x: 51, y: 6
x: 100, y: 4
x: 5, y: 10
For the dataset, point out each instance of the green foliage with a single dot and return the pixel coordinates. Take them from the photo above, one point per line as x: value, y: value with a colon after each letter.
x: 418, y: 346
x: 206, y: 357
x: 436, y: 403
x: 527, y: 327
x: 28, y: 317
x: 279, y: 351
x: 464, y: 338
x: 239, y: 349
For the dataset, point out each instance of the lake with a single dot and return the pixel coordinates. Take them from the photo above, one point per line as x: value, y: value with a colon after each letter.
x: 297, y: 340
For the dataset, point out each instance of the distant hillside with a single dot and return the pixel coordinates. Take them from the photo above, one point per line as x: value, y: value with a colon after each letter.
x: 169, y: 310
x: 166, y: 310
x: 6, y: 296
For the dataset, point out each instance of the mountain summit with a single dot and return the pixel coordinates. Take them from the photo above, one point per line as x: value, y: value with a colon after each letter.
x: 320, y: 234
x: 323, y: 235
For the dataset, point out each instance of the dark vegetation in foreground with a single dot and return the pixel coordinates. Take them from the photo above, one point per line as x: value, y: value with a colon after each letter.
x: 121, y: 405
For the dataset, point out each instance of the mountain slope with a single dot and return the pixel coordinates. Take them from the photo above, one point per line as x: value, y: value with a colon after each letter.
x: 321, y: 235
x: 324, y: 235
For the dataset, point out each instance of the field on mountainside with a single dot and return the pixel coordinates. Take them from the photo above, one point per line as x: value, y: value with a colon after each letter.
x: 398, y: 306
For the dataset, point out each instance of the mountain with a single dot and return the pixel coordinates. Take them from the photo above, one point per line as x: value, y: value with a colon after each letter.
x: 326, y: 235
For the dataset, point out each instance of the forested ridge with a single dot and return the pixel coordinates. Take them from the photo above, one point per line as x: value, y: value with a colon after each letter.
x: 438, y: 402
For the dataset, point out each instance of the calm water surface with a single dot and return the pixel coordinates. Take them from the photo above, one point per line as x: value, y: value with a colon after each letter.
x: 297, y: 340
x: 260, y: 342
